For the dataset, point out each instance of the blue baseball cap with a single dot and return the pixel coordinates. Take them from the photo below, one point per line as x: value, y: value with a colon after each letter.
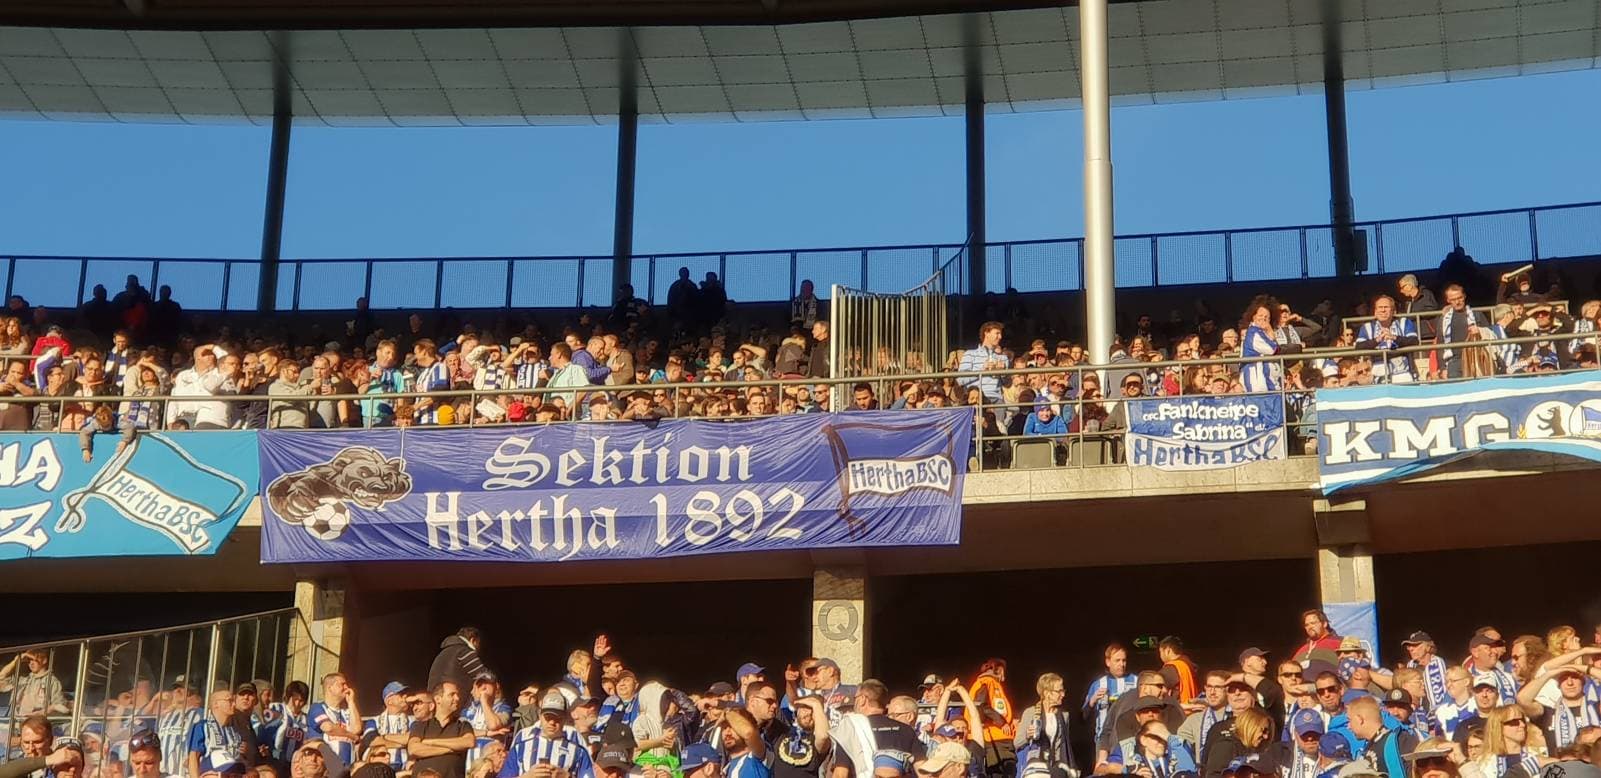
x: 698, y: 756
x: 1334, y: 746
x: 1352, y: 695
x: 749, y: 668
x: 890, y: 761
x: 395, y: 687
x: 1307, y: 720
x: 947, y: 731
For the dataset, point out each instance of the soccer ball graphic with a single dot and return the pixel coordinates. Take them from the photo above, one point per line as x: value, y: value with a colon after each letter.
x: 329, y: 521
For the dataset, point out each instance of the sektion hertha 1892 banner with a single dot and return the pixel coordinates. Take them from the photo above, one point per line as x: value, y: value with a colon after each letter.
x: 615, y: 490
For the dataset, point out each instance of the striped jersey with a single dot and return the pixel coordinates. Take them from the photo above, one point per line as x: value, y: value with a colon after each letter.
x: 290, y: 733
x: 527, y: 374
x: 474, y: 714
x: 1115, y: 687
x: 746, y: 766
x: 433, y: 378
x: 173, y: 732
x: 321, y: 714
x: 530, y: 747
x: 387, y: 723
x: 207, y: 737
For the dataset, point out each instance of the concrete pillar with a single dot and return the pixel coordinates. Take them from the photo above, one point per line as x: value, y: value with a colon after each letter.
x: 839, y: 619
x: 317, y: 636
x: 1345, y: 569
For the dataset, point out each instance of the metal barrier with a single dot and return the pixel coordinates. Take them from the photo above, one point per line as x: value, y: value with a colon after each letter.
x: 105, y: 688
x: 1165, y: 259
x: 961, y: 388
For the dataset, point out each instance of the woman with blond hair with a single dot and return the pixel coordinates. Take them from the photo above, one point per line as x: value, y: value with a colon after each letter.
x: 1509, y: 741
x: 1246, y: 734
x: 1045, y: 726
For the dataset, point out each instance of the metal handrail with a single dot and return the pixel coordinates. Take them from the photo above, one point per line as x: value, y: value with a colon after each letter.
x: 646, y: 262
x: 144, y: 632
x: 1079, y: 369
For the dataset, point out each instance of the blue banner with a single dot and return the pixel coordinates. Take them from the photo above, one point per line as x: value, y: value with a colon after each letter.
x: 1205, y: 432
x: 1373, y: 434
x: 615, y: 490
x: 166, y: 493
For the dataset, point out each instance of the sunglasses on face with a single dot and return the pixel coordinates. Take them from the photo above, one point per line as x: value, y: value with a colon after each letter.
x: 1512, y: 723
x: 1328, y: 690
x: 1289, y: 675
x: 1433, y: 763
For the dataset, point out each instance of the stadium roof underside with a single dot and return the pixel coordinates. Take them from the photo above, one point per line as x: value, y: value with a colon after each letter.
x: 412, y: 63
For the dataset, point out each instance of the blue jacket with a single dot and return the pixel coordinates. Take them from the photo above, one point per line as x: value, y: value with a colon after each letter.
x: 1056, y: 426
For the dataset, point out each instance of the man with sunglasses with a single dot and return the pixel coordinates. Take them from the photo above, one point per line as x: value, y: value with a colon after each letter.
x: 1299, y: 758
x: 1120, y: 717
x: 144, y: 754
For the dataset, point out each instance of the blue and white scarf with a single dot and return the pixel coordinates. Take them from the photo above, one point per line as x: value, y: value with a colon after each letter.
x: 1566, y: 724
x: 1396, y: 368
x: 1530, y: 762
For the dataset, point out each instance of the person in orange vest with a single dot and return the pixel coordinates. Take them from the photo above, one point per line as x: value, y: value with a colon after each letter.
x: 1171, y: 652
x: 989, y: 694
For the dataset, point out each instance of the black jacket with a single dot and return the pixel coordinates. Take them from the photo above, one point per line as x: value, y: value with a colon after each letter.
x: 457, y: 662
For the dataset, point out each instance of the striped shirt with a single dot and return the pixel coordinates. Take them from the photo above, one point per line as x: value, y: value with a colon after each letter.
x: 493, y: 376
x: 387, y: 723
x: 1115, y: 687
x: 207, y: 737
x: 173, y: 732
x: 1259, y: 376
x: 746, y: 766
x: 432, y: 378
x: 527, y: 374
x: 116, y: 365
x: 474, y: 715
x: 531, y: 747
x: 321, y: 714
x: 292, y: 729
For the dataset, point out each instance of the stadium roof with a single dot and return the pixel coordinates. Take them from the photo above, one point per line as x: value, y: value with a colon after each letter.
x: 107, y: 63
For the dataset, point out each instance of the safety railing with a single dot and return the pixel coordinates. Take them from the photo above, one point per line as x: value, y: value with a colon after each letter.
x: 1163, y: 259
x: 1426, y: 322
x: 1296, y: 380
x: 106, y: 688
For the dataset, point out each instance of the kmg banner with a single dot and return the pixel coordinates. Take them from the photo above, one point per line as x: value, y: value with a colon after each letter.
x: 1205, y: 432
x: 615, y: 490
x: 165, y: 493
x: 1372, y: 434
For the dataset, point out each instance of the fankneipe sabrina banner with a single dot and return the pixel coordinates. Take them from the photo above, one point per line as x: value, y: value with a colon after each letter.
x: 166, y: 493
x: 1205, y: 433
x: 1371, y: 434
x: 615, y: 490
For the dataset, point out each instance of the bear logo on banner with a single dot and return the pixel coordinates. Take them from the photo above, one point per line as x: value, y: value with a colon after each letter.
x: 319, y: 497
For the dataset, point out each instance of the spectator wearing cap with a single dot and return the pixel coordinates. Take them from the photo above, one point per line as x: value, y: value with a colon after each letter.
x: 747, y: 674
x: 947, y: 760
x: 1486, y: 696
x: 1045, y: 730
x: 1247, y: 735
x: 488, y: 713
x: 1215, y: 708
x: 1357, y: 670
x: 1572, y: 712
x: 439, y: 739
x: 1105, y: 690
x: 1517, y: 287
x: 1484, y: 651
x: 393, y: 725
x: 1333, y: 753
x: 1423, y: 655
x: 1123, y: 755
x: 1240, y: 697
x: 1254, y: 669
x: 822, y: 677
x: 1299, y: 758
x: 1120, y: 721
x: 213, y: 734
x: 929, y: 693
x: 216, y: 765
x: 1436, y: 758
x: 310, y: 761
x: 1319, y: 635
x: 1410, y: 680
x: 614, y: 760
x: 700, y: 760
x: 243, y: 722
x: 1399, y: 704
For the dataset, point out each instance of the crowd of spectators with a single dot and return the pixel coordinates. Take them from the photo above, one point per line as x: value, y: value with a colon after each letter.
x: 640, y: 362
x: 1322, y: 709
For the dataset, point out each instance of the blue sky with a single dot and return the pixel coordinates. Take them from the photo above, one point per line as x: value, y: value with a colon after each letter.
x: 158, y: 190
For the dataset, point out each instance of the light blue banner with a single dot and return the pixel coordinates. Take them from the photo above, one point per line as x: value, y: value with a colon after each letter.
x: 1205, y: 433
x: 1372, y: 434
x: 177, y: 493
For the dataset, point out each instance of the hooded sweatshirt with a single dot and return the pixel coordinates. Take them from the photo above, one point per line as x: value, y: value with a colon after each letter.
x: 456, y: 662
x: 648, y: 725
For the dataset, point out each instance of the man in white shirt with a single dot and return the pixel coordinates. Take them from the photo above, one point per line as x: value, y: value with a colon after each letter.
x: 203, y: 379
